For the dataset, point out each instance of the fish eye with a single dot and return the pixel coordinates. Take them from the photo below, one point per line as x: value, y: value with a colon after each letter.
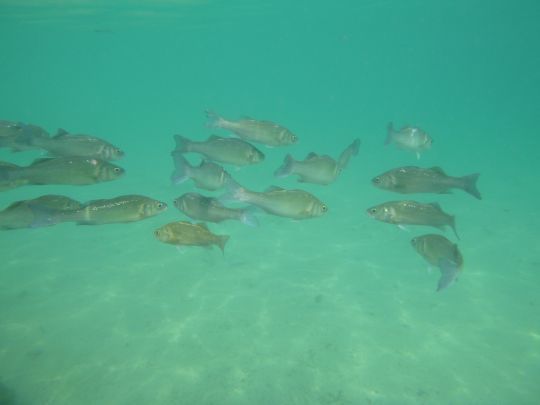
x: 373, y: 210
x: 377, y: 180
x: 117, y: 170
x: 294, y: 138
x: 156, y: 233
x: 324, y: 208
x: 160, y: 205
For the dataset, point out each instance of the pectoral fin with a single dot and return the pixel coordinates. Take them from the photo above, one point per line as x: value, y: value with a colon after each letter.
x: 449, y: 272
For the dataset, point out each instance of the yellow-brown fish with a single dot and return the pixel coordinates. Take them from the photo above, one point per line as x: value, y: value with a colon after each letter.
x: 265, y: 132
x: 412, y: 213
x: 185, y: 233
x: 413, y: 179
x: 440, y: 252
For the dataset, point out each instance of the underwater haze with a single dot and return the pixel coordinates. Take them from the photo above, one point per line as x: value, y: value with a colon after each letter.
x: 334, y: 310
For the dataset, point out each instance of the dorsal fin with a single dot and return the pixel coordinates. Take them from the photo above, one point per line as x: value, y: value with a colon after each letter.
x: 436, y: 205
x: 311, y: 155
x: 203, y: 225
x: 437, y: 169
x: 60, y: 133
x: 214, y: 138
x: 15, y: 205
x: 41, y: 160
x: 273, y: 188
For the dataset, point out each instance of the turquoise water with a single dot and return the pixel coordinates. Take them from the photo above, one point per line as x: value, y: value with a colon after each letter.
x: 334, y: 310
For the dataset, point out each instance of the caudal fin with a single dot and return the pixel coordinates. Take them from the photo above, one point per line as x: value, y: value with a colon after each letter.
x: 222, y: 240
x: 182, y: 168
x: 248, y: 218
x: 389, y: 133
x: 286, y: 168
x: 214, y: 120
x: 469, y: 185
x: 449, y: 272
x: 452, y: 225
x: 182, y: 144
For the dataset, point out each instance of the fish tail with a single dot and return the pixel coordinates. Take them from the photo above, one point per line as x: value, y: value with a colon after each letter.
x: 182, y: 168
x: 449, y: 272
x: 469, y: 185
x: 453, y: 225
x: 235, y: 192
x: 389, y: 133
x: 286, y: 168
x: 222, y: 241
x: 182, y: 144
x: 214, y: 120
x: 249, y: 218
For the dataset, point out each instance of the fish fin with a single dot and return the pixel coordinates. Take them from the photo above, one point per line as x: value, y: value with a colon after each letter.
x: 235, y: 192
x: 437, y: 169
x: 40, y: 160
x: 43, y: 216
x: 60, y: 133
x: 403, y: 228
x: 449, y: 271
x: 202, y: 225
x: 273, y: 188
x: 389, y: 133
x: 182, y: 167
x: 182, y: 143
x: 214, y: 138
x: 248, y: 218
x: 286, y: 168
x: 214, y: 120
x: 453, y: 225
x: 417, y: 155
x: 221, y: 242
x: 435, y: 205
x: 469, y: 185
x: 311, y: 155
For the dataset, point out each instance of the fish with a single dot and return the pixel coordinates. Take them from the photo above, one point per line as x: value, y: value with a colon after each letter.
x: 224, y: 150
x: 296, y: 204
x: 409, y: 138
x: 199, y: 207
x: 319, y: 169
x: 73, y: 170
x: 408, y: 212
x: 121, y: 209
x: 265, y: 132
x: 66, y: 144
x: 183, y: 233
x: 38, y: 212
x: 19, y: 136
x: 413, y: 179
x: 348, y: 152
x: 442, y: 253
x: 208, y: 175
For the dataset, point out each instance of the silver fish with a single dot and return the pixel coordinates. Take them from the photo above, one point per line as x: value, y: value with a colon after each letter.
x: 265, y: 132
x: 74, y: 170
x: 42, y: 211
x: 440, y: 252
x: 296, y: 204
x: 409, y: 138
x: 319, y: 169
x: 66, y: 144
x: 197, y: 206
x: 19, y: 136
x: 412, y: 179
x: 225, y: 150
x: 122, y: 209
x: 208, y: 175
x: 412, y: 213
x: 183, y: 233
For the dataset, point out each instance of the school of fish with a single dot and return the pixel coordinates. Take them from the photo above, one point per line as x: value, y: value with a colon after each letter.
x: 81, y: 159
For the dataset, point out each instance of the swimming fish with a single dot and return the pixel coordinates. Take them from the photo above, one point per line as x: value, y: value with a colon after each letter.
x: 412, y: 179
x: 412, y: 213
x: 19, y: 136
x: 208, y: 175
x: 296, y: 204
x: 210, y: 209
x: 409, y: 138
x: 74, y: 170
x: 66, y: 144
x: 440, y: 252
x: 42, y: 211
x: 265, y: 132
x: 121, y: 209
x: 319, y: 169
x: 185, y: 233
x: 225, y: 150
x: 348, y: 152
